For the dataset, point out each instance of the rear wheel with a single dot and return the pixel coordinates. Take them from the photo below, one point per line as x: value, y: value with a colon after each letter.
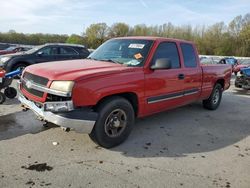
x: 114, y: 123
x: 2, y: 98
x: 10, y: 92
x: 213, y: 102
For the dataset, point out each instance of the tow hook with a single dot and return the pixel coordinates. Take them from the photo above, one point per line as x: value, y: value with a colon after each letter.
x: 45, y: 123
x: 66, y: 129
x: 40, y: 119
x: 24, y: 108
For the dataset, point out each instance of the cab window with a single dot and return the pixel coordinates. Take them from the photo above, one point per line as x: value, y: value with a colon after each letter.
x: 168, y: 50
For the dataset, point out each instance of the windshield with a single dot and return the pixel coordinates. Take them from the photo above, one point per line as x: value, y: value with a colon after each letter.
x: 231, y: 61
x: 130, y: 52
x: 34, y: 49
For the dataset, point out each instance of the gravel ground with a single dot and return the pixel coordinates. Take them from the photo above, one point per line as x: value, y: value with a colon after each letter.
x: 185, y: 147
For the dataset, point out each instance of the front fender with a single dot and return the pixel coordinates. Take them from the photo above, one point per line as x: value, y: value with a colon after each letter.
x: 90, y: 92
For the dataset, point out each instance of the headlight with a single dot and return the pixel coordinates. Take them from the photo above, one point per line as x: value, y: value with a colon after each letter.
x: 4, y: 59
x: 64, y: 86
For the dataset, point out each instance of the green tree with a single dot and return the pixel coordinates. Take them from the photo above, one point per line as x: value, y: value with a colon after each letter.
x: 245, y: 41
x: 96, y: 34
x: 119, y: 30
x: 140, y: 30
x: 218, y: 39
x: 76, y: 39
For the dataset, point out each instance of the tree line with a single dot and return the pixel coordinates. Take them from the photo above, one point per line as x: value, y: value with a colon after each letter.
x: 231, y: 39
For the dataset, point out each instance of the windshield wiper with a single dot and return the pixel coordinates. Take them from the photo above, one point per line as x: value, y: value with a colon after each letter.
x: 111, y: 60
x: 92, y: 58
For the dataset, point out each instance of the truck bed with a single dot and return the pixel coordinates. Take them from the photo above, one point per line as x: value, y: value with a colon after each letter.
x: 211, y: 73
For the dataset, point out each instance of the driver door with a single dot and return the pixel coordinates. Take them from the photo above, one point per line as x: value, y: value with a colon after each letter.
x: 164, y: 87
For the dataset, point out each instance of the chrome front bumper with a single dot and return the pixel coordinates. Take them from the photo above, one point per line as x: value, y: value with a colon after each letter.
x: 81, y: 121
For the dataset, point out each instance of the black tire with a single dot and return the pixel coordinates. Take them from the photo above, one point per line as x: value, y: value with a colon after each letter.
x: 213, y: 102
x: 115, y: 122
x: 2, y: 98
x: 10, y: 92
x: 20, y: 66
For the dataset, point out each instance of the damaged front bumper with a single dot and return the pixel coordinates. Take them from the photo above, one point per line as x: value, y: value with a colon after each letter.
x: 81, y: 120
x: 238, y: 82
x: 246, y: 85
x: 242, y: 82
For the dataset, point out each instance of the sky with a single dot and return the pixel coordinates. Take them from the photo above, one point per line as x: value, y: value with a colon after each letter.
x: 74, y: 16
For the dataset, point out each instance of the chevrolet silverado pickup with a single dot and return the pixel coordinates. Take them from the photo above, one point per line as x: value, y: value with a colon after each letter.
x: 124, y: 79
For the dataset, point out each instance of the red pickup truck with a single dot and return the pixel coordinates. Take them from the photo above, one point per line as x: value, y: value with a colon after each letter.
x: 124, y: 79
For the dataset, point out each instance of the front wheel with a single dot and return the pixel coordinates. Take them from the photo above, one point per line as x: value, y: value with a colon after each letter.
x: 213, y: 102
x: 114, y: 123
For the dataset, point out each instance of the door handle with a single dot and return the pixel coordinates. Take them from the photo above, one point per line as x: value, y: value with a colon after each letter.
x: 181, y: 76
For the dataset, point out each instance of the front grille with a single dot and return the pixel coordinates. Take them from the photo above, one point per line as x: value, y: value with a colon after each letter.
x: 37, y: 80
x: 33, y: 91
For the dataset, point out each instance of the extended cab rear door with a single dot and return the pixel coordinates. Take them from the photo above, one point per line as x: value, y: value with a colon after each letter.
x: 164, y: 87
x: 192, y: 73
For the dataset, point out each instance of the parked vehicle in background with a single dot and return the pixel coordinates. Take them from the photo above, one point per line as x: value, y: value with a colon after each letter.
x: 14, y: 49
x: 230, y: 61
x: 3, y: 46
x: 123, y: 79
x: 243, y: 64
x: 44, y: 53
x: 207, y: 60
x: 243, y: 79
x: 91, y: 50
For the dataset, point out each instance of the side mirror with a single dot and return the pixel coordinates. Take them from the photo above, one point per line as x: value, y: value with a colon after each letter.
x: 162, y: 63
x: 40, y: 53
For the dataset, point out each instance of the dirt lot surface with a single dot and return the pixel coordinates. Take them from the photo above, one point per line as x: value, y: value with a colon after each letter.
x: 185, y: 147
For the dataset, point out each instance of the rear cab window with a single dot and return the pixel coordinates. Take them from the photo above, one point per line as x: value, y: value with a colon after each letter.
x: 189, y: 55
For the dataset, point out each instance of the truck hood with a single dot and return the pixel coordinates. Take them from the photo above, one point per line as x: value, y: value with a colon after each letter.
x: 75, y: 69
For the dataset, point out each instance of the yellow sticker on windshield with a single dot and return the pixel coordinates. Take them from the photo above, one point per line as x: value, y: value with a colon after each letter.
x: 138, y: 56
